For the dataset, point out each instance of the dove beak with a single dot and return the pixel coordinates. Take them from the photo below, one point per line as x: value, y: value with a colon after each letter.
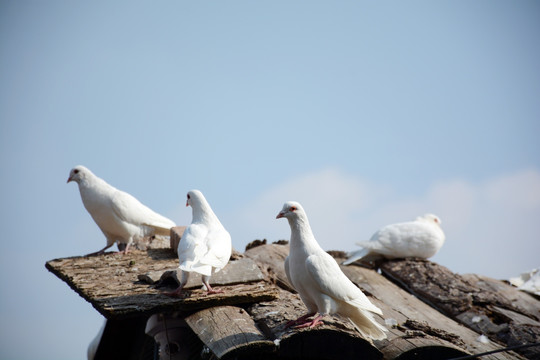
x: 280, y: 215
x: 69, y: 179
x: 187, y: 204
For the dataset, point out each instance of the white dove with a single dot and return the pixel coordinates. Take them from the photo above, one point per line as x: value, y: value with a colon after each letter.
x: 204, y: 246
x: 321, y: 284
x: 421, y: 238
x: 120, y: 216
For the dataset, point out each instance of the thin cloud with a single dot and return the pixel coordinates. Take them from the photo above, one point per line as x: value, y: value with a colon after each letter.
x: 491, y: 227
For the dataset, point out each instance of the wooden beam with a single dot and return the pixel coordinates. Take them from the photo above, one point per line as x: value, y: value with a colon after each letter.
x: 229, y: 331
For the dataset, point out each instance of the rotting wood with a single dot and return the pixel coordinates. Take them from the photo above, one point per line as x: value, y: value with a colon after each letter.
x: 399, y: 305
x: 229, y: 332
x: 522, y: 302
x: 403, y: 307
x: 110, y: 283
x: 270, y: 259
x: 479, y: 308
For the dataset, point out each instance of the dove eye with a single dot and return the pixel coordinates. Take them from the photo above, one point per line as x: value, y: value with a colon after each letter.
x: 189, y: 197
x: 292, y: 208
x: 75, y: 171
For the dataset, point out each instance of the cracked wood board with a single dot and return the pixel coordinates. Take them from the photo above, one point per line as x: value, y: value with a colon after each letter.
x: 110, y: 283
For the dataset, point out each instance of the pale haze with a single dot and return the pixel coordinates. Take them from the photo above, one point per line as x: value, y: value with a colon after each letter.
x: 367, y: 113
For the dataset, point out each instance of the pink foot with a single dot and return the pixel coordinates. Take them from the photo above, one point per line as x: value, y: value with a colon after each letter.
x: 214, y: 291
x: 300, y: 321
x: 123, y: 252
x: 178, y: 293
x: 311, y: 324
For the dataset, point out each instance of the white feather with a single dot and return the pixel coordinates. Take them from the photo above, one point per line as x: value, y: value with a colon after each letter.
x: 320, y: 282
x: 120, y: 216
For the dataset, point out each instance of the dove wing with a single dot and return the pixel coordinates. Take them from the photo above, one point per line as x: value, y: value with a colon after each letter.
x: 325, y: 272
x: 400, y: 239
x: 218, y: 243
x: 287, y: 271
x: 192, y: 248
x: 129, y: 209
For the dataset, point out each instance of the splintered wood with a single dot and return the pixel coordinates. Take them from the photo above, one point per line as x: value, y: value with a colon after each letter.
x: 111, y: 284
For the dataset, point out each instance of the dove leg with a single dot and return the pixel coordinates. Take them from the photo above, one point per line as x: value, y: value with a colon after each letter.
x: 123, y: 247
x: 205, y: 280
x: 311, y: 324
x: 300, y: 321
x: 100, y: 252
x: 179, y: 290
x: 127, y: 248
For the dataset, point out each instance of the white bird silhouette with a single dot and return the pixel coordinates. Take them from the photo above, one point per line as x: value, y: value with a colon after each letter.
x: 120, y: 216
x: 321, y: 284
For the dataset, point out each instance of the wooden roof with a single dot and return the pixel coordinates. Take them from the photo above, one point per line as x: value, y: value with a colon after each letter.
x: 436, y: 314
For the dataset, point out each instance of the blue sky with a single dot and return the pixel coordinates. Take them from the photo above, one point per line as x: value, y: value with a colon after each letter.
x: 367, y: 113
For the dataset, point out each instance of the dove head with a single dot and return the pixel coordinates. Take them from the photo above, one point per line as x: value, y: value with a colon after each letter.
x: 431, y: 219
x: 195, y: 198
x: 78, y: 173
x: 298, y: 221
x: 201, y: 209
x: 291, y: 210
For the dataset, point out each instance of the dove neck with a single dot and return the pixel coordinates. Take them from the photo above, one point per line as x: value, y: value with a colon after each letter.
x: 203, y: 213
x: 93, y: 183
x: 301, y: 234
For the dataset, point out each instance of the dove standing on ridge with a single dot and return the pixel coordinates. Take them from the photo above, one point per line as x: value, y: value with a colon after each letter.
x: 204, y: 246
x: 321, y: 284
x: 120, y: 216
x: 421, y: 238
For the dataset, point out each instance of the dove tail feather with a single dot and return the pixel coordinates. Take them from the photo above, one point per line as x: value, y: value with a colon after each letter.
x: 364, y: 322
x: 161, y: 230
x: 356, y: 255
x: 198, y: 268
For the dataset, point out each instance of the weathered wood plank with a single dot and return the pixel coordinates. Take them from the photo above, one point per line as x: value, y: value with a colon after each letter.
x: 402, y: 306
x: 110, y: 283
x: 521, y: 301
x: 229, y: 332
x: 477, y: 308
x: 241, y: 271
x: 270, y: 259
